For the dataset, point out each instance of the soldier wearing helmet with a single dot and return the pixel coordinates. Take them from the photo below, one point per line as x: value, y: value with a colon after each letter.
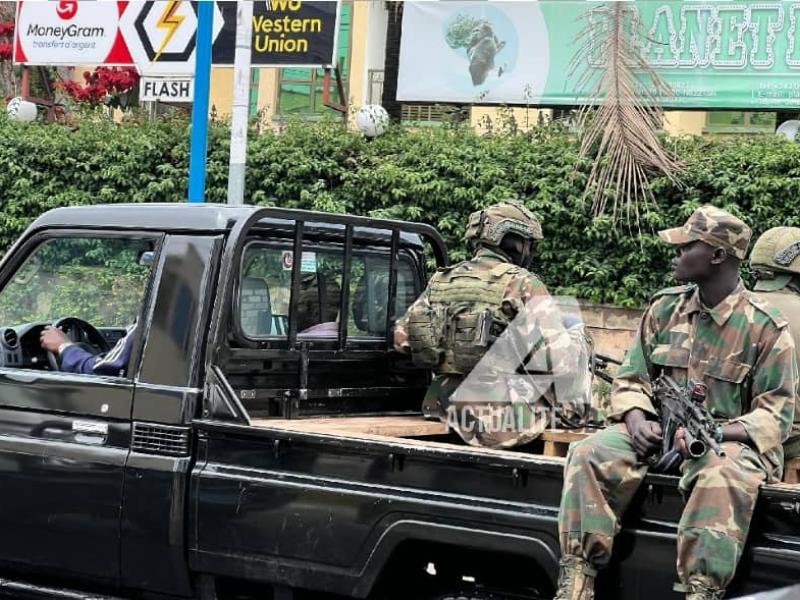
x: 775, y: 262
x: 464, y: 309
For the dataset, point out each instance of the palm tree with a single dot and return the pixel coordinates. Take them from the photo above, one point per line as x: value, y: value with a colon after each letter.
x: 621, y: 113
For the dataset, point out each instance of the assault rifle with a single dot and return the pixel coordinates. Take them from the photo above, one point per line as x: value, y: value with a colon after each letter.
x: 682, y: 406
x: 600, y: 364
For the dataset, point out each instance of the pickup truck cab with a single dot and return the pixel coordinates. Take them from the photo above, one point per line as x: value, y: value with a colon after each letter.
x: 264, y: 441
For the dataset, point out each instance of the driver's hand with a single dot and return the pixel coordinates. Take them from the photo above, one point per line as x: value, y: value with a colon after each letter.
x: 52, y: 338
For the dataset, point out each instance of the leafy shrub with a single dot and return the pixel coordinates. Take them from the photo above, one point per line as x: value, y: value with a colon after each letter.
x: 434, y: 175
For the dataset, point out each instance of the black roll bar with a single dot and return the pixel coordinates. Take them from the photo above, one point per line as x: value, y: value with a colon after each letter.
x: 234, y: 248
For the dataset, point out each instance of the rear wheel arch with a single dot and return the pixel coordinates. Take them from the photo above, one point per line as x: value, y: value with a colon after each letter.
x: 410, y: 551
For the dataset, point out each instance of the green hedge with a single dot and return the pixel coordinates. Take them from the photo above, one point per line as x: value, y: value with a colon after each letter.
x: 432, y: 175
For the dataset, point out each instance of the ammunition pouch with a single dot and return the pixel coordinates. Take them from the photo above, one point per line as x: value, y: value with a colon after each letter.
x: 473, y: 333
x: 426, y: 335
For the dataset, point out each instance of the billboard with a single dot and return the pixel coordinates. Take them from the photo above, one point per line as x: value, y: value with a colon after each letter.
x: 715, y: 54
x: 159, y: 37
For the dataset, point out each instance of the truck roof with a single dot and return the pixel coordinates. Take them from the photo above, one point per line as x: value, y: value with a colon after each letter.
x: 191, y: 218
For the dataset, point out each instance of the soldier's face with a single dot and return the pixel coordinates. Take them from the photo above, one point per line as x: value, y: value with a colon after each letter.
x: 693, y: 262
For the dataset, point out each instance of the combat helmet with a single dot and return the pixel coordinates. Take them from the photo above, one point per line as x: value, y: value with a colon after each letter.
x: 490, y: 225
x: 775, y: 258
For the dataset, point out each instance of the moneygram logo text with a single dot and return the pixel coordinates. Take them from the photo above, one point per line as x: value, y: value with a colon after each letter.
x: 61, y: 33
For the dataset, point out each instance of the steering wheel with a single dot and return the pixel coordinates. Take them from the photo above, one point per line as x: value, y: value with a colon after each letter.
x: 81, y: 333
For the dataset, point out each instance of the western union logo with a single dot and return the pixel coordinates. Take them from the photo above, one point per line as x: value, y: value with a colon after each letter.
x: 283, y: 34
x: 284, y: 5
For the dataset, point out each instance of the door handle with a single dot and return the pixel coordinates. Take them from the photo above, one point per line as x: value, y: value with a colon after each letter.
x: 89, y: 429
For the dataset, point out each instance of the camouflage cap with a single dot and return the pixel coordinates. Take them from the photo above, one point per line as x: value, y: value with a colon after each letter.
x: 714, y: 226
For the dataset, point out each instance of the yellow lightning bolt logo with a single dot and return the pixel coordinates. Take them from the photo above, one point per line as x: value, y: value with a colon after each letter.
x: 170, y: 22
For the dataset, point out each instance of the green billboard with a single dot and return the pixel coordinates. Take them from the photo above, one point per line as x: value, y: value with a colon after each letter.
x: 722, y: 54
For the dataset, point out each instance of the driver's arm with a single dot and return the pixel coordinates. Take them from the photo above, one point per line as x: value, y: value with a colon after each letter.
x: 115, y: 361
x: 75, y: 359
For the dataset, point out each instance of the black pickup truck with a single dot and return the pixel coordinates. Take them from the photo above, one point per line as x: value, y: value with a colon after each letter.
x: 263, y: 440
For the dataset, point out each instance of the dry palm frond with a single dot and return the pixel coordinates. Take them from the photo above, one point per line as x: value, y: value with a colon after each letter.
x: 621, y: 112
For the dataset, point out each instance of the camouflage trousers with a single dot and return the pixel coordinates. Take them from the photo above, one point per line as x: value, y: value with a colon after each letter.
x: 603, y: 473
x: 489, y: 415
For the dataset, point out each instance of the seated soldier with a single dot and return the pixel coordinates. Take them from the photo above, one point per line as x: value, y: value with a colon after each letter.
x: 775, y: 263
x: 532, y: 377
x: 703, y: 332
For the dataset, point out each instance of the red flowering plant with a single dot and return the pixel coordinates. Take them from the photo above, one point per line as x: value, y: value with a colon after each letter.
x: 6, y: 40
x: 111, y: 86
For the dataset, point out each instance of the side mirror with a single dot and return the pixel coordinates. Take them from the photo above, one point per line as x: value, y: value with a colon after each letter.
x: 146, y: 258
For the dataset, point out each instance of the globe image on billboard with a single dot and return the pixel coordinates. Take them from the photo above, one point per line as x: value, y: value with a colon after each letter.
x: 485, y: 40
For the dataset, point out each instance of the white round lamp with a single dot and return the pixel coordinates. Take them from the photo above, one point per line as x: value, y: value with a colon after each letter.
x: 789, y: 129
x: 372, y: 120
x: 21, y: 110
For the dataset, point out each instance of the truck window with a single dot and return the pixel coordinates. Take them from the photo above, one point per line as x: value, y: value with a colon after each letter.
x: 99, y: 280
x: 265, y: 292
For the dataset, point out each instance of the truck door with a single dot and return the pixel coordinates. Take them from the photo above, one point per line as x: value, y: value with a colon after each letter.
x: 65, y: 436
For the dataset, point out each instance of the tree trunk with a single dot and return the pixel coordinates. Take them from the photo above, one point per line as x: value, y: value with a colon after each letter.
x: 8, y: 83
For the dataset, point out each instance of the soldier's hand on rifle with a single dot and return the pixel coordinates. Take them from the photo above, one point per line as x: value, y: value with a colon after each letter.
x: 645, y: 435
x: 680, y: 442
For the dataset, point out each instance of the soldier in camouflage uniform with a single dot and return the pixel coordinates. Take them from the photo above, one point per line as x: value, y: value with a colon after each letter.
x: 775, y: 262
x: 464, y: 308
x: 717, y: 332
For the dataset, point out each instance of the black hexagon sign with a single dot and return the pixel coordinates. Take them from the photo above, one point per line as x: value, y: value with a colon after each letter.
x: 181, y: 56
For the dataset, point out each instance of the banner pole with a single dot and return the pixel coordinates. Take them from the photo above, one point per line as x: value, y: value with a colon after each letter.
x: 241, y: 102
x: 202, y: 86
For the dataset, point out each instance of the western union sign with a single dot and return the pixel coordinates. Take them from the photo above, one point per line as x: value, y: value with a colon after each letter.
x: 285, y: 33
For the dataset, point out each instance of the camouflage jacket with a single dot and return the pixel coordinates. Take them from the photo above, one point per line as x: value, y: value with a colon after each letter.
x: 787, y: 300
x: 741, y: 349
x: 522, y: 286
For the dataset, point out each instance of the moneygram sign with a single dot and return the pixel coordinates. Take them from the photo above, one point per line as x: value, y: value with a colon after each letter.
x: 58, y: 29
x: 159, y: 37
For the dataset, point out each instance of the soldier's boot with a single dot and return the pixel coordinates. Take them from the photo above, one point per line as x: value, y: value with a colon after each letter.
x: 575, y: 579
x: 700, y: 590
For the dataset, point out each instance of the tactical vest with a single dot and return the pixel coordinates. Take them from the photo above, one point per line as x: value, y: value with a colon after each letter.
x: 452, y: 334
